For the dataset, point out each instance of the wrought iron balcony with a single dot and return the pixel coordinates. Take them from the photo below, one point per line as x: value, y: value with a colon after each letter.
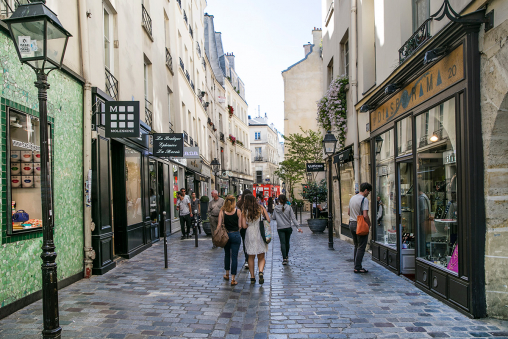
x: 147, y: 21
x: 192, y: 85
x: 171, y: 130
x: 169, y: 61
x: 423, y: 140
x: 191, y: 32
x: 179, y: 2
x: 258, y: 158
x: 418, y: 38
x: 198, y: 48
x: 187, y: 75
x: 148, y: 113
x: 221, y: 137
x: 111, y: 85
x: 195, y: 144
x: 191, y: 142
x: 204, y: 63
x: 185, y: 17
x: 182, y: 66
x: 185, y: 136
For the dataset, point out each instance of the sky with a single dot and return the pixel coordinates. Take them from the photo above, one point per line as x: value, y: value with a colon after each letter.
x: 266, y: 36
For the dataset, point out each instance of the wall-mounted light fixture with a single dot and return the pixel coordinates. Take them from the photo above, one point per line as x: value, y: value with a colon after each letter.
x: 364, y: 108
x: 433, y: 55
x: 391, y: 88
x: 434, y: 137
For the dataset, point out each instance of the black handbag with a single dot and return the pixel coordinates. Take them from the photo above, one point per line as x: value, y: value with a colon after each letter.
x: 20, y: 216
x: 266, y: 235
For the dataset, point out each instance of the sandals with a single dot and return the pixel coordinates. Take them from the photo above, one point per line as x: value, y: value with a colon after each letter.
x: 361, y: 270
x: 234, y: 282
x: 284, y: 262
x: 252, y: 280
x: 261, y: 278
x: 226, y: 277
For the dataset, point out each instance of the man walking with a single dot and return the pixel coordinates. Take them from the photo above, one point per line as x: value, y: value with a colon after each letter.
x: 359, y: 204
x: 214, y: 209
x: 184, y: 207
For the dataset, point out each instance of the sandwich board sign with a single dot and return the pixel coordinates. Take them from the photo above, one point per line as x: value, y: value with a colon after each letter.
x: 122, y: 119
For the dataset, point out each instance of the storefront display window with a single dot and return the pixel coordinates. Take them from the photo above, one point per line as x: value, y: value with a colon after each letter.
x: 347, y: 188
x: 437, y: 185
x: 404, y: 137
x: 175, y: 189
x: 153, y: 191
x: 133, y: 186
x: 25, y: 171
x: 386, y: 230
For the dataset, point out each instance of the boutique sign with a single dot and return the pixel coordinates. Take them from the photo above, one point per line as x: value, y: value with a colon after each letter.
x: 442, y: 75
x: 122, y: 119
x: 167, y: 145
x: 315, y: 167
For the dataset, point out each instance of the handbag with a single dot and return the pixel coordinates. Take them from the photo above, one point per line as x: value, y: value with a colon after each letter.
x: 220, y: 237
x: 265, y: 229
x: 362, y: 228
x: 20, y: 216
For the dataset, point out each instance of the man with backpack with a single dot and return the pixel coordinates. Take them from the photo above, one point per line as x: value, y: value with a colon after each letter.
x: 359, y: 205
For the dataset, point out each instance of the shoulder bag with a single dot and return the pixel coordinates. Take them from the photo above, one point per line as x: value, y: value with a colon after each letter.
x: 362, y: 228
x: 20, y: 216
x: 265, y: 230
x: 220, y: 237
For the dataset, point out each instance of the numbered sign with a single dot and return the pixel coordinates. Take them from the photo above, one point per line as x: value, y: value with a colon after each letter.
x: 167, y: 145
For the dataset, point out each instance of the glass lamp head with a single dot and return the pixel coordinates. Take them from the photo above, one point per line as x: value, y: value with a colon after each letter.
x: 329, y: 143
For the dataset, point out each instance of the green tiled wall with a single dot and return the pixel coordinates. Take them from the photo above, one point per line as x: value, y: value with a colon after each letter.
x: 20, y: 263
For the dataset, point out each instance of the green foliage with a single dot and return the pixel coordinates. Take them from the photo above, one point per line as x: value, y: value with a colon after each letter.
x: 304, y: 148
x: 204, y: 198
x: 291, y: 172
x: 315, y: 192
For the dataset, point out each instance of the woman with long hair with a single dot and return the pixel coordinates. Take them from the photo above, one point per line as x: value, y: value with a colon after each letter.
x: 254, y: 243
x: 232, y: 221
x: 239, y: 205
x: 284, y: 217
x: 270, y: 205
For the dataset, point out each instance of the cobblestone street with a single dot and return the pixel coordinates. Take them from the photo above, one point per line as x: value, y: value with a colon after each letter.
x: 316, y: 296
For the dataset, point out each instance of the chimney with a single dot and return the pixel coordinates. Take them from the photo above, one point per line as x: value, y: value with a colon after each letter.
x: 306, y: 48
x: 317, y: 34
x: 231, y: 59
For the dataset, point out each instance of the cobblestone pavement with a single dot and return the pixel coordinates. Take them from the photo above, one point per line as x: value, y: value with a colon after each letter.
x: 316, y: 296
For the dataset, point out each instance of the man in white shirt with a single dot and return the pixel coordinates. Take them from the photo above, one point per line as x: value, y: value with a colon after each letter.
x: 359, y: 204
x: 184, y: 207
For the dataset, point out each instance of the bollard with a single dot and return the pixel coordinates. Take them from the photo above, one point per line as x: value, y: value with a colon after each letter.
x: 165, y: 239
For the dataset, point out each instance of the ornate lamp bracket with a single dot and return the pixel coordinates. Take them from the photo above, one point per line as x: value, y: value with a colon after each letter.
x: 477, y: 17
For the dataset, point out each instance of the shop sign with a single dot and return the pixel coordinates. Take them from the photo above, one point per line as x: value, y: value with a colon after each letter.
x: 167, y: 145
x: 191, y: 152
x: 316, y: 167
x: 442, y: 75
x: 194, y: 164
x: 343, y: 157
x: 122, y: 119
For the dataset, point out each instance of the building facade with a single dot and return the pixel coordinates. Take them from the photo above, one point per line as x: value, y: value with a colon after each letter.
x: 425, y: 98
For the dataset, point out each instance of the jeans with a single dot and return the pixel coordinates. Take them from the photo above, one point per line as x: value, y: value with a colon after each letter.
x: 360, y: 242
x: 284, y: 236
x: 231, y: 252
x: 185, y: 219
x: 242, y: 234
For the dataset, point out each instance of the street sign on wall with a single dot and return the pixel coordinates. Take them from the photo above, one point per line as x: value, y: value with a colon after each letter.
x: 316, y: 167
x: 167, y: 145
x: 122, y: 119
x: 191, y: 152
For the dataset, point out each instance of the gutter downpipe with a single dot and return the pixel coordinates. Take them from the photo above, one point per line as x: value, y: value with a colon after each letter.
x: 354, y: 94
x: 88, y: 225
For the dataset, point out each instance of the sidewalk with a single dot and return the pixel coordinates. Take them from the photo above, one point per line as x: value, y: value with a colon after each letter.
x: 316, y: 296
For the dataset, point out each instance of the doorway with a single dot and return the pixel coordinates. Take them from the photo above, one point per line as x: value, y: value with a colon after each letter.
x: 406, y: 207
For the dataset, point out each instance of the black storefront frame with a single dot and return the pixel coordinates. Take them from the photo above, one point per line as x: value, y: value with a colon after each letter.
x: 344, y: 228
x: 464, y: 291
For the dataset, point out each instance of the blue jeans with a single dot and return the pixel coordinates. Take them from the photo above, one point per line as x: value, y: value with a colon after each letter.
x: 231, y: 252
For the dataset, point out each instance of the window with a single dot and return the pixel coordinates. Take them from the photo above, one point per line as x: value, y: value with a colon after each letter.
x: 107, y: 40
x: 259, y: 153
x: 25, y: 170
x: 133, y: 186
x: 257, y: 135
x: 437, y: 186
x: 330, y: 72
x: 259, y: 177
x: 347, y: 188
x: 421, y: 12
x: 346, y: 58
x: 145, y: 77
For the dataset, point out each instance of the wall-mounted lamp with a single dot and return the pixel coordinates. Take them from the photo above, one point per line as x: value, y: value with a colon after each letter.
x: 364, y: 108
x: 391, y: 88
x: 379, y: 144
x: 433, y: 55
x: 434, y: 137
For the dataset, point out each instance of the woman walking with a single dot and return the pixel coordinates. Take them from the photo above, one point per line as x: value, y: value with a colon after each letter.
x: 270, y: 205
x: 284, y: 216
x: 232, y: 221
x: 239, y: 205
x: 254, y: 243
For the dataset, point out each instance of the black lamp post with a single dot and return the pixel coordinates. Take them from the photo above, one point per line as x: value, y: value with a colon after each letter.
x: 215, y: 169
x: 329, y: 144
x: 40, y: 42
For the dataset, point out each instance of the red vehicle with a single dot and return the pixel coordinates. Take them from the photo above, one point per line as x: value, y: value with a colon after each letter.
x: 268, y: 190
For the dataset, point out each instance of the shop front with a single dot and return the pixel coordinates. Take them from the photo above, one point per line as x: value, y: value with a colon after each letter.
x: 427, y: 173
x: 345, y: 169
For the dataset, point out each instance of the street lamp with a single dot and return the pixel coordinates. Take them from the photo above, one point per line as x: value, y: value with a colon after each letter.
x: 40, y: 42
x: 215, y: 169
x: 329, y: 144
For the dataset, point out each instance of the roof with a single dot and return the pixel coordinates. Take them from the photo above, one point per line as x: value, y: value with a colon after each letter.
x: 306, y: 56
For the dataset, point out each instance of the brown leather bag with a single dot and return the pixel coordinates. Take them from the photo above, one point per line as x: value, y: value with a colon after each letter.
x: 220, y: 237
x: 362, y: 228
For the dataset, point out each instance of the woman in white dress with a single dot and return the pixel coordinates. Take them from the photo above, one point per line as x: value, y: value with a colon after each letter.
x: 254, y: 243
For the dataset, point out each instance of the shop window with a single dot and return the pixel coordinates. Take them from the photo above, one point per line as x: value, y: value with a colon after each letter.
x: 386, y: 230
x: 133, y: 186
x: 25, y: 171
x: 175, y: 190
x: 347, y: 188
x: 153, y: 191
x: 421, y: 12
x: 437, y: 186
x: 404, y: 137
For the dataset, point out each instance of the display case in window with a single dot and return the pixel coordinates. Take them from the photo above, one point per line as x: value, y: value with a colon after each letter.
x: 24, y: 172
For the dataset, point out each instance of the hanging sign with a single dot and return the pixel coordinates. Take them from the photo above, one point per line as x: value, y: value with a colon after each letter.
x: 343, y: 157
x: 315, y: 167
x: 167, y: 145
x: 191, y: 152
x: 122, y: 119
x: 442, y: 75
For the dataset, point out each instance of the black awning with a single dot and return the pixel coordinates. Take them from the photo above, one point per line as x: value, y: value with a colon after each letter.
x: 344, y: 156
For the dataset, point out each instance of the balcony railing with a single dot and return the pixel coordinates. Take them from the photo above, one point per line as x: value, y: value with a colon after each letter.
x: 258, y: 158
x: 179, y: 2
x: 192, y: 85
x: 185, y: 136
x: 204, y: 63
x: 147, y: 21
x: 191, y: 32
x: 187, y: 75
x: 182, y: 66
x: 171, y: 130
x: 198, y: 48
x: 185, y: 17
x: 221, y: 137
x: 191, y: 141
x: 195, y: 144
x: 111, y: 85
x: 148, y: 113
x: 169, y: 61
x: 421, y: 35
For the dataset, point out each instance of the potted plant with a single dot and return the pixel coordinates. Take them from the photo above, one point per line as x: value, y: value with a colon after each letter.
x: 204, y: 206
x: 316, y: 193
x: 232, y: 139
x: 230, y: 110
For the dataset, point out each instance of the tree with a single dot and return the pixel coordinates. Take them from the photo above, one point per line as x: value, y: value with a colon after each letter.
x: 315, y: 193
x: 305, y: 148
x: 291, y: 171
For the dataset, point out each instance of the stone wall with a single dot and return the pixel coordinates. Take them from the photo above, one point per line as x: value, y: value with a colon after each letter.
x: 494, y: 97
x: 20, y: 263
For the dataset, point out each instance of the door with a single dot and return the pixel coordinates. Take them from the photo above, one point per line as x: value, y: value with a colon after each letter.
x: 406, y: 208
x: 154, y: 199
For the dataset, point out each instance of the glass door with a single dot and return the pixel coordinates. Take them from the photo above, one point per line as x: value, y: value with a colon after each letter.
x: 406, y: 209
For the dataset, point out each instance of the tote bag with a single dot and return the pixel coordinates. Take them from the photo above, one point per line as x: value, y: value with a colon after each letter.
x: 220, y: 237
x: 265, y: 230
x: 362, y: 228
